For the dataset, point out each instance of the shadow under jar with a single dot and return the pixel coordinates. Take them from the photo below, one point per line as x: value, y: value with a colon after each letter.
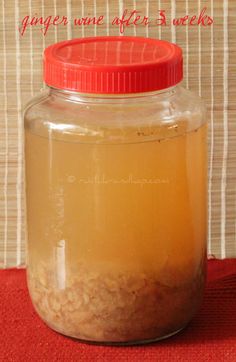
x: 116, y: 190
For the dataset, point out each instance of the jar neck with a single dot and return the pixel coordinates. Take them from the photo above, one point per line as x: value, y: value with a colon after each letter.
x: 111, y: 98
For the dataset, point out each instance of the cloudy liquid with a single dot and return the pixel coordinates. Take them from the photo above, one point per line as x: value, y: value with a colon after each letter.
x: 135, y: 205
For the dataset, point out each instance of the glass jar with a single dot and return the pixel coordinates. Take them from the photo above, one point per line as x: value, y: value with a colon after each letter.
x: 116, y: 190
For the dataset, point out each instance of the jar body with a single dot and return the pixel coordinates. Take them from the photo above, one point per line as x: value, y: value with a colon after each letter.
x: 116, y: 192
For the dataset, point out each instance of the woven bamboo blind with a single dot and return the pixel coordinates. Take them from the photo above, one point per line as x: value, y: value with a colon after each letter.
x: 209, y: 56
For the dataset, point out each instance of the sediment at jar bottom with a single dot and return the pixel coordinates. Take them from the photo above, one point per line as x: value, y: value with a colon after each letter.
x: 114, y: 307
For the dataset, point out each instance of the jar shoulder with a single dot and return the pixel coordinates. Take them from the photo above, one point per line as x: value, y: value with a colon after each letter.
x: 98, y: 115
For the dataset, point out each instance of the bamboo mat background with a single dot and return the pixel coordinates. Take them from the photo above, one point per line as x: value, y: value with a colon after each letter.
x: 209, y: 56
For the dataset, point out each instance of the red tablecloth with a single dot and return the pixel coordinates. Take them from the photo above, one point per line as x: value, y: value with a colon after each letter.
x: 211, y: 336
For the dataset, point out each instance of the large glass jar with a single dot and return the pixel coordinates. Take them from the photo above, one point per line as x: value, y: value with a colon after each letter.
x: 116, y: 190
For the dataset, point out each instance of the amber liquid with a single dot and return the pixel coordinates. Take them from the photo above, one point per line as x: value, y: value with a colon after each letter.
x: 117, y: 207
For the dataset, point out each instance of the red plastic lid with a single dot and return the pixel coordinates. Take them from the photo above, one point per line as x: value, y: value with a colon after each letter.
x: 115, y: 64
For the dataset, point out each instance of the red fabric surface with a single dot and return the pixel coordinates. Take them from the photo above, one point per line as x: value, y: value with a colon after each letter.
x: 211, y: 336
